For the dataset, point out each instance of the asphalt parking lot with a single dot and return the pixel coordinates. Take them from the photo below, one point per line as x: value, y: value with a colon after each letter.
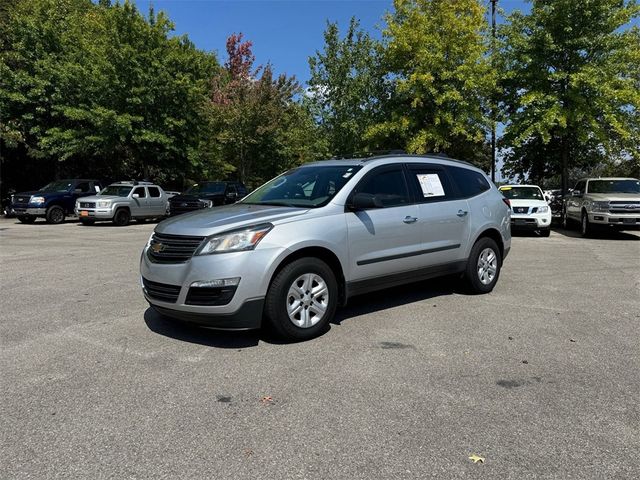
x: 539, y: 377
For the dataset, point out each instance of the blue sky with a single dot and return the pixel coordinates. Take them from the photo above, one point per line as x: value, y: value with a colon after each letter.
x: 285, y: 32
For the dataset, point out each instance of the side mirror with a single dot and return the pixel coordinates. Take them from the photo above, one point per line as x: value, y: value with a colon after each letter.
x: 575, y: 193
x: 365, y: 201
x: 135, y: 195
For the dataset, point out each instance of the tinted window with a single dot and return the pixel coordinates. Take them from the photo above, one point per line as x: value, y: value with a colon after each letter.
x: 580, y: 186
x: 522, y: 193
x: 116, y: 190
x: 430, y: 184
x: 83, y: 187
x: 140, y: 192
x: 389, y: 186
x: 614, y: 186
x: 154, y: 191
x: 469, y: 182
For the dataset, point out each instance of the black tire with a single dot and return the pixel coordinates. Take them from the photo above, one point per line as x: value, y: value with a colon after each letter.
x: 545, y: 233
x: 26, y: 219
x: 55, y: 215
x: 122, y: 217
x: 472, y: 274
x: 88, y: 222
x: 278, y: 299
x: 566, y: 221
x: 586, y: 229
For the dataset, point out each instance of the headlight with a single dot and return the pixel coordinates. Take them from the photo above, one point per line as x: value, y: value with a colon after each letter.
x: 37, y: 200
x: 543, y: 209
x: 600, y: 206
x: 103, y: 204
x: 236, y: 241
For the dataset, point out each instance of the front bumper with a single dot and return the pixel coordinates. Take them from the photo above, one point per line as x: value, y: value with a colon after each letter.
x: 94, y: 213
x: 242, y: 311
x: 629, y: 221
x: 29, y: 211
x: 531, y: 222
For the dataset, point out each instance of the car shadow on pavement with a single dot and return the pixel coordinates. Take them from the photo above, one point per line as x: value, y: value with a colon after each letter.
x: 358, y: 306
x: 397, y: 296
x: 604, y: 233
x: 210, y: 337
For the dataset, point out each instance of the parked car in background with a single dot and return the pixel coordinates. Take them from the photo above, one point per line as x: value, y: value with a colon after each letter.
x: 206, y: 195
x: 311, y: 238
x: 603, y: 202
x: 123, y: 201
x: 54, y: 201
x: 529, y: 208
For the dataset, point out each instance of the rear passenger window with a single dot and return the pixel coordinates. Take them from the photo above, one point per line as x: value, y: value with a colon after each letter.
x: 469, y: 182
x: 389, y: 186
x: 430, y: 184
x: 154, y: 191
x: 84, y: 187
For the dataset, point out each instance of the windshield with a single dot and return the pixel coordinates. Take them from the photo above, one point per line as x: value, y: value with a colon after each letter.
x: 59, y: 186
x: 307, y: 187
x: 614, y: 186
x: 116, y: 190
x: 522, y: 193
x: 206, y: 187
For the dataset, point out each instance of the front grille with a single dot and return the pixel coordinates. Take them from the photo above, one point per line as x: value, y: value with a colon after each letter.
x: 520, y: 209
x: 624, y: 207
x: 87, y: 205
x: 21, y: 200
x: 182, y: 206
x: 161, y: 291
x: 172, y: 248
x: 210, y: 295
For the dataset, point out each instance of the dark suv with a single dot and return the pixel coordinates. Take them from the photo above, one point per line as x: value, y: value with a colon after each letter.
x: 54, y: 201
x: 206, y: 195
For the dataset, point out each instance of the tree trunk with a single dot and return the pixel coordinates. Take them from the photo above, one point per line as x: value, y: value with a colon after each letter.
x: 565, y: 164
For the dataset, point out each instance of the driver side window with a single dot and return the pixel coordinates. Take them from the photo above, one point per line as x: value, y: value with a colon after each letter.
x: 389, y: 186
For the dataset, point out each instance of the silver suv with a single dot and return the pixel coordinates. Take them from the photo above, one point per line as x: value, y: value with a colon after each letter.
x: 120, y: 202
x: 308, y: 240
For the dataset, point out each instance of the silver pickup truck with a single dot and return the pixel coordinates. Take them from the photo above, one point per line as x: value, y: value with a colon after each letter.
x: 603, y: 202
x: 120, y: 202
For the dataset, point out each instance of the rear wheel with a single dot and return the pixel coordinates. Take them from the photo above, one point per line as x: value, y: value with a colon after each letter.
x: 26, y: 219
x: 483, y: 266
x: 122, y: 217
x: 55, y: 215
x: 302, y: 299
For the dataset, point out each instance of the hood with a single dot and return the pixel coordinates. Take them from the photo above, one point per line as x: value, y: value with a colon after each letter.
x: 215, y: 220
x: 519, y: 202
x: 615, y: 197
x: 38, y: 193
x: 204, y: 196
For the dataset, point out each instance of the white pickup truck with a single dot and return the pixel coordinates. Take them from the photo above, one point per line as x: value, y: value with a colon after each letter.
x: 605, y: 202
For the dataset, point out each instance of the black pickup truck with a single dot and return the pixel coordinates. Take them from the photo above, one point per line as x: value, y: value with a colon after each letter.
x: 206, y: 195
x: 53, y: 201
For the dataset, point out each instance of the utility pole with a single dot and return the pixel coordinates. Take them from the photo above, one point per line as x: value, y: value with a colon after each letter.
x: 493, y: 99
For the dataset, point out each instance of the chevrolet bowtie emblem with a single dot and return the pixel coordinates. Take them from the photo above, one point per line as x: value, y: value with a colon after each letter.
x: 157, y: 247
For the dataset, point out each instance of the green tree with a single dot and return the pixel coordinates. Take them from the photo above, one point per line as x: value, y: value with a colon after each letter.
x: 436, y: 53
x: 571, y: 82
x: 345, y: 88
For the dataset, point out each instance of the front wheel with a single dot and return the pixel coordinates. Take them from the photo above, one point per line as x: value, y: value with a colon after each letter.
x: 545, y: 232
x: 586, y: 229
x: 483, y: 266
x: 55, y: 215
x: 302, y: 299
x: 122, y: 217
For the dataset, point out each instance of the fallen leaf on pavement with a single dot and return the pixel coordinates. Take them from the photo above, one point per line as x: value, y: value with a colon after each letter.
x: 267, y: 400
x: 475, y: 458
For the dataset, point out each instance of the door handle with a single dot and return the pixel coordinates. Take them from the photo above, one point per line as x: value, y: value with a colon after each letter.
x: 461, y: 213
x: 410, y: 219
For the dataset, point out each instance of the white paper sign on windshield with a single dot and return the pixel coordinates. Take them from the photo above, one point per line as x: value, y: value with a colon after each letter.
x: 431, y: 185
